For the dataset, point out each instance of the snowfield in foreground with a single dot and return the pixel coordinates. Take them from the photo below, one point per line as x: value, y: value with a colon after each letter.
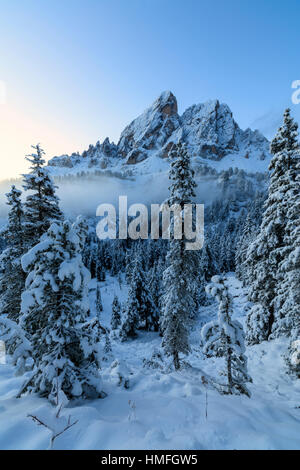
x: 165, y: 411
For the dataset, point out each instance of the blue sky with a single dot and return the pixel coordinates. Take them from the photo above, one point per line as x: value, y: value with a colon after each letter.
x: 77, y: 71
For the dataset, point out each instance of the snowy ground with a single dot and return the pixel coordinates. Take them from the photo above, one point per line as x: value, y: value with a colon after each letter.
x: 166, y: 411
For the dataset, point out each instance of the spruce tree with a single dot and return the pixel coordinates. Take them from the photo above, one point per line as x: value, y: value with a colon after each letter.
x: 12, y: 277
x: 42, y: 204
x: 178, y: 301
x: 268, y: 251
x: 55, y: 310
x: 225, y: 338
x: 99, y: 306
x: 287, y: 300
x: 140, y: 311
x: 115, y: 317
x: 130, y: 317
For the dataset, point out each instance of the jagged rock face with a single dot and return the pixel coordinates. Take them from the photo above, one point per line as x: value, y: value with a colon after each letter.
x: 208, y: 129
x: 96, y: 155
x: 151, y: 130
x: 65, y: 161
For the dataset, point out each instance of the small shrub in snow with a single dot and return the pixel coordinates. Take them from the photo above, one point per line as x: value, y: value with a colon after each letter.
x: 156, y: 361
x: 120, y: 374
x: 53, y: 421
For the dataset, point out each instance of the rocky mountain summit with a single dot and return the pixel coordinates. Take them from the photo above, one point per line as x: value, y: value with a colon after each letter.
x: 208, y: 129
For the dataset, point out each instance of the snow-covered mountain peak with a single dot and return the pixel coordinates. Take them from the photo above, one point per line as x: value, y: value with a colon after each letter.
x: 150, y: 130
x: 208, y: 129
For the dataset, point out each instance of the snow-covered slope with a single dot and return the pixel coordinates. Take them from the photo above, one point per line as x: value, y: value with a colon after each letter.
x: 165, y: 410
x: 209, y: 130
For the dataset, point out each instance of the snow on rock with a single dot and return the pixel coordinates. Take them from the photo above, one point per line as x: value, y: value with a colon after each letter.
x: 211, y: 132
x: 150, y: 130
x: 208, y: 129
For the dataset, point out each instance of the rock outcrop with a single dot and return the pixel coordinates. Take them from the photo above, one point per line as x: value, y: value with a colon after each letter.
x: 208, y: 129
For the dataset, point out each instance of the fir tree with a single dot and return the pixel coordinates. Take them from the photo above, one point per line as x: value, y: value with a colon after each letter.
x: 178, y: 301
x: 41, y: 206
x: 225, y: 338
x: 99, y: 306
x: 269, y: 250
x: 12, y: 277
x: 115, y: 317
x: 55, y: 308
x: 130, y: 317
x: 287, y: 300
x: 140, y: 309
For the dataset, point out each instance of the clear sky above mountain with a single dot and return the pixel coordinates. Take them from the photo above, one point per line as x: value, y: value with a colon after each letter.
x: 77, y: 71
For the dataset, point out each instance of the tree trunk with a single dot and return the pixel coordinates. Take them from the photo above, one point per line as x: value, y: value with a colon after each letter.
x: 229, y: 373
x: 176, y: 360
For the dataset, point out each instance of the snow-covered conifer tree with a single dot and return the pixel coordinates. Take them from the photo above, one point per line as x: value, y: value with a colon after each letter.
x: 207, y: 269
x: 55, y: 309
x: 130, y: 316
x: 140, y: 311
x: 225, y: 338
x: 179, y: 282
x: 12, y: 277
x: 287, y: 299
x: 16, y: 344
x: 42, y: 204
x: 115, y: 317
x: 269, y: 250
x: 99, y: 306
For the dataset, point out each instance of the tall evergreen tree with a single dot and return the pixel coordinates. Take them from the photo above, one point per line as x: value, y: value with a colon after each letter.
x: 287, y: 300
x: 141, y: 311
x: 12, y: 277
x: 55, y: 308
x: 99, y: 306
x: 268, y: 252
x: 42, y: 204
x: 116, y: 316
x: 178, y: 301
